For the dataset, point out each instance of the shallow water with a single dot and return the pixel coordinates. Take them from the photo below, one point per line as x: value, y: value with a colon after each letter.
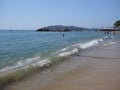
x: 20, y: 48
x: 96, y: 67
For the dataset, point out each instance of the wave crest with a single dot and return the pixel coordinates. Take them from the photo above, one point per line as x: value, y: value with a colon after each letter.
x: 67, y: 51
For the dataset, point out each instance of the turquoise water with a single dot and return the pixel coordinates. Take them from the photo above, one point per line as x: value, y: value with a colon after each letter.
x: 20, y: 48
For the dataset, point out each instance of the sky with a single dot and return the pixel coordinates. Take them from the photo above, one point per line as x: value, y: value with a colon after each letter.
x: 34, y: 14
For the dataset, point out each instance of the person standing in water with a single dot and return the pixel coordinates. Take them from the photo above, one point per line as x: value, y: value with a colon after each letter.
x: 63, y: 35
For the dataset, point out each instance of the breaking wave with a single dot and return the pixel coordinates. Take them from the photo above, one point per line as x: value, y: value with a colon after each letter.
x: 67, y: 51
x: 37, y: 61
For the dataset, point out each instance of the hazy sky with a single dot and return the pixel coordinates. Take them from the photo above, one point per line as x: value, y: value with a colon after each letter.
x: 32, y: 14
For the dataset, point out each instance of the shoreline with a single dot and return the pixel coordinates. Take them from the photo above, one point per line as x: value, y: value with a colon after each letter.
x: 98, y: 69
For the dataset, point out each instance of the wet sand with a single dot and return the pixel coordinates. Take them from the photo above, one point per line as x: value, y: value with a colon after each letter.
x: 97, y: 70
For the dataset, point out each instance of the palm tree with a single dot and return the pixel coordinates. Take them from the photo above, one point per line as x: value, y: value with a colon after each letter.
x: 117, y: 24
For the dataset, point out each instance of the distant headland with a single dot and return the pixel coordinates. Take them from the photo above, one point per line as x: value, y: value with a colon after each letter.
x: 61, y: 28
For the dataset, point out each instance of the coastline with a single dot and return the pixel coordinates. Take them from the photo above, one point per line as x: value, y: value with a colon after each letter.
x: 98, y: 69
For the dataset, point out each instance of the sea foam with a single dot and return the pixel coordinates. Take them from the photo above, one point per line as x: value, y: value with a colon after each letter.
x: 67, y: 51
x: 23, y: 64
x: 65, y: 54
x: 89, y: 44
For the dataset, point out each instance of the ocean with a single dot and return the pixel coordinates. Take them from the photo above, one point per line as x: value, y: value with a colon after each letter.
x: 20, y: 49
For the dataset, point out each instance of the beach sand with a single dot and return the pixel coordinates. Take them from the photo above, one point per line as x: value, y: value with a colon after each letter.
x: 97, y: 70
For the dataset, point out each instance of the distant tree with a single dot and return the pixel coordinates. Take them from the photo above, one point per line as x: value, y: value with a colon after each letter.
x: 117, y: 23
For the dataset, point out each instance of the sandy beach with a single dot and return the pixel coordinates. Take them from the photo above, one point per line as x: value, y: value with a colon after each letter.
x: 97, y: 70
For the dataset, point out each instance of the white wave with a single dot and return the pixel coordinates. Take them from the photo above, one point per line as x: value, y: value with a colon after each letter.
x: 64, y: 49
x: 45, y: 62
x: 27, y: 61
x: 65, y: 54
x: 101, y: 39
x: 36, y: 61
x: 75, y: 48
x: 89, y: 44
x: 77, y: 45
x: 93, y: 42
